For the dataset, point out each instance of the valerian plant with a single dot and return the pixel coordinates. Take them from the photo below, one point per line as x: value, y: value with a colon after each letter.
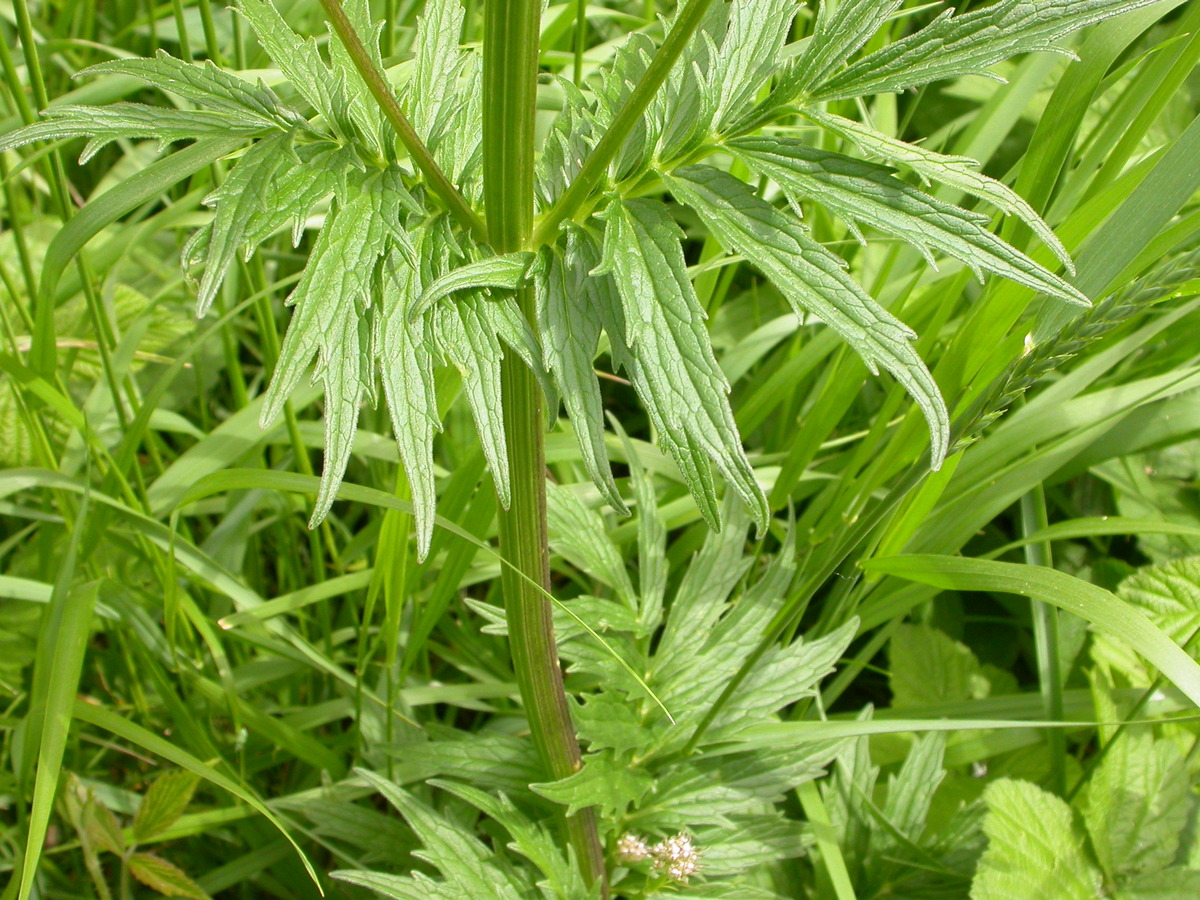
x: 444, y: 247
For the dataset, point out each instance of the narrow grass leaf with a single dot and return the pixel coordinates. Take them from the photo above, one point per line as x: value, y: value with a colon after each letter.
x: 1100, y: 607
x: 61, y: 647
x: 131, y: 193
x: 149, y: 741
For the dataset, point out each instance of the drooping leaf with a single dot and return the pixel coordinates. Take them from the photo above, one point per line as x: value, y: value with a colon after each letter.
x: 958, y: 172
x: 331, y: 321
x: 864, y: 192
x: 406, y: 370
x: 813, y: 280
x: 473, y: 348
x: 165, y: 801
x: 244, y: 193
x: 954, y: 45
x: 164, y: 877
x: 569, y: 324
x: 1033, y: 851
x: 672, y: 364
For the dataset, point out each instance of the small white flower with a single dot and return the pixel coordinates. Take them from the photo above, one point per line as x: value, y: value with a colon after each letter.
x: 678, y: 856
x: 631, y: 848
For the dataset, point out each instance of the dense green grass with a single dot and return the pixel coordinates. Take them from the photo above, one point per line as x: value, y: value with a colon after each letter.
x: 1013, y: 622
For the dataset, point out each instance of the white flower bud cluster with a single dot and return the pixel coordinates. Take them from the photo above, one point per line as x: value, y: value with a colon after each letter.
x: 632, y: 849
x: 677, y: 855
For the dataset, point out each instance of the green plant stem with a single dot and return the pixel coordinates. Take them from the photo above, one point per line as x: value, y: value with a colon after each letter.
x: 510, y: 67
x: 1045, y: 636
x: 421, y: 157
x: 589, y: 176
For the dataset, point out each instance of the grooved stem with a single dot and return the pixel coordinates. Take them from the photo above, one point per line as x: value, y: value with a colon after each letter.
x: 510, y: 66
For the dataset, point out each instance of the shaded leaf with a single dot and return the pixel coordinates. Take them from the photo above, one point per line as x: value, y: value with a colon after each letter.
x: 1136, y: 805
x: 164, y: 802
x: 160, y: 875
x: 569, y: 324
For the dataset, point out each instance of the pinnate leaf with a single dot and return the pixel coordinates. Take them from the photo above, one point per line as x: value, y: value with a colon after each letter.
x: 203, y: 83
x: 432, y: 91
x: 954, y: 45
x: 1033, y: 851
x: 865, y: 192
x: 300, y: 62
x: 244, y: 194
x: 569, y: 324
x: 958, y: 172
x: 812, y: 280
x: 749, y: 53
x: 840, y: 30
x: 137, y: 121
x: 164, y: 877
x: 603, y: 782
x: 333, y: 302
x: 672, y: 364
x: 456, y: 852
x: 164, y: 802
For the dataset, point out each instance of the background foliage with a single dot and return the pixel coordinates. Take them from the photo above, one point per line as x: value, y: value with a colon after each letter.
x: 233, y: 696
